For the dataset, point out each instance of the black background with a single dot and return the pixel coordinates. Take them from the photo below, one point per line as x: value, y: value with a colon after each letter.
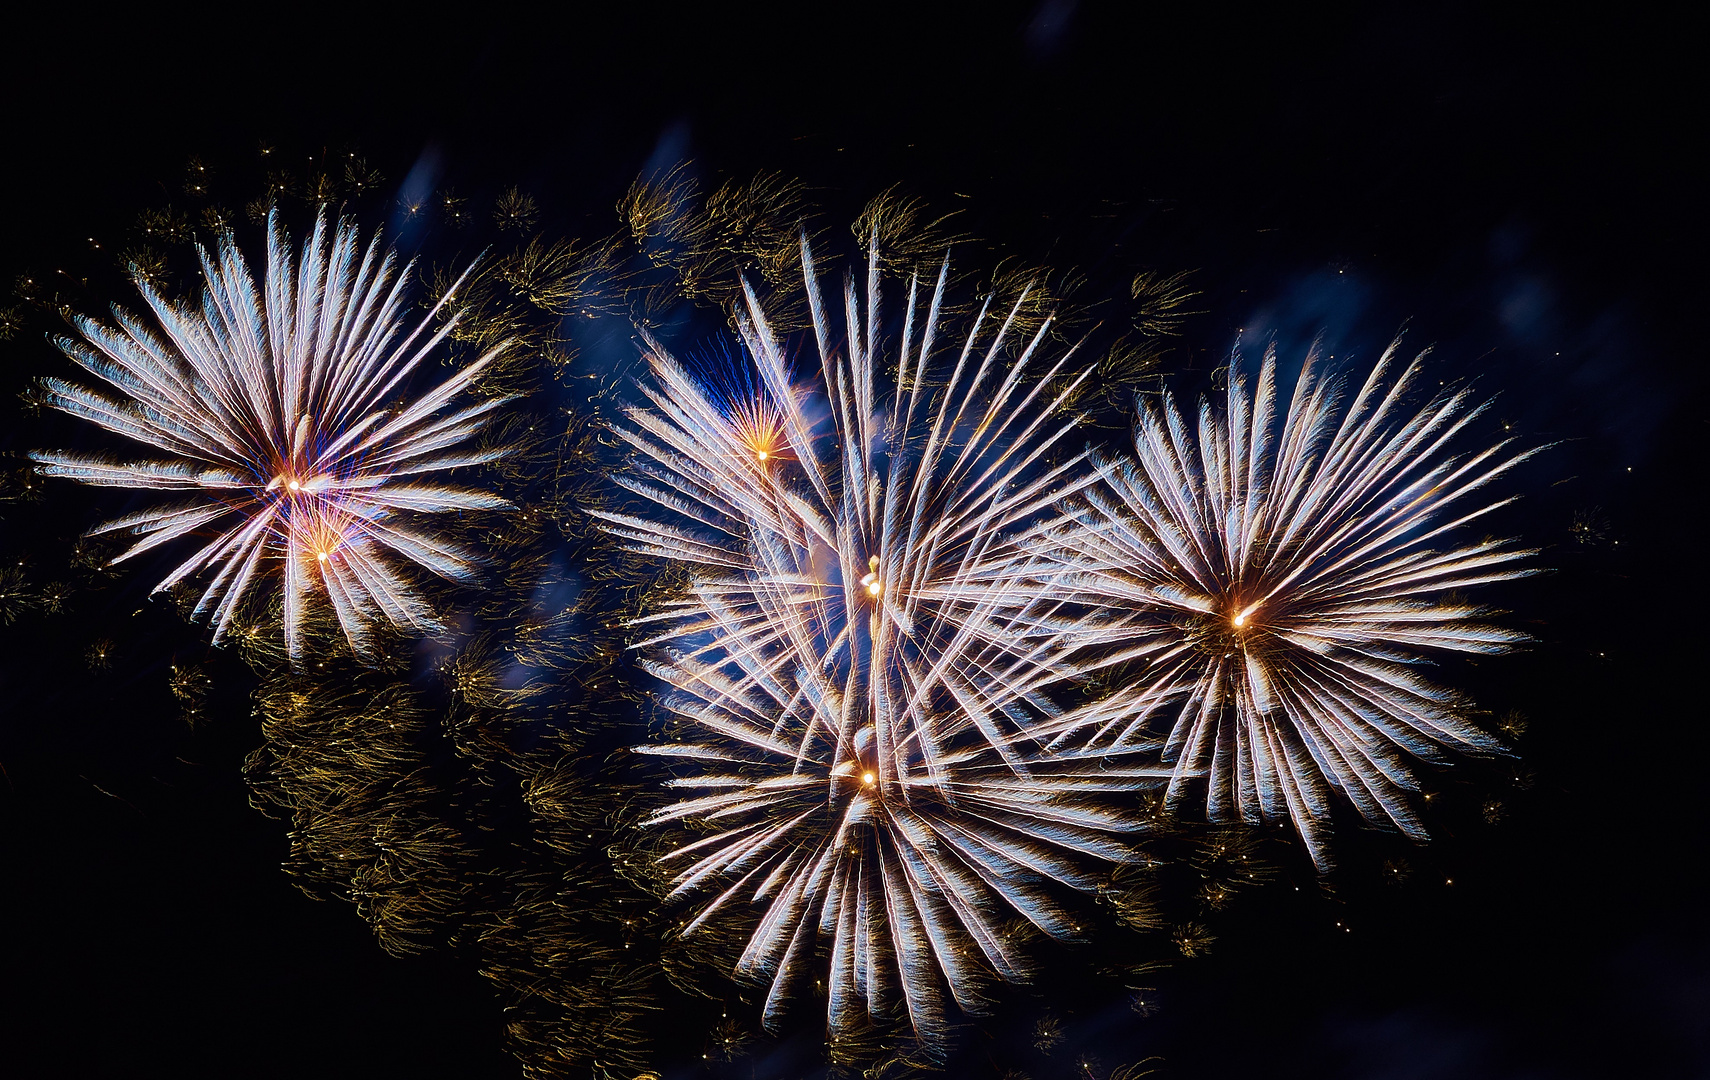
x: 1521, y: 190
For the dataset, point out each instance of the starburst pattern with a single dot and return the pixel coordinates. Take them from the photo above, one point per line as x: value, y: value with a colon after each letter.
x: 857, y: 674
x: 278, y: 410
x: 1282, y: 582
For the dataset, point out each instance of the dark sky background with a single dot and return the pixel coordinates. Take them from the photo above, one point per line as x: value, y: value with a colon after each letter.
x: 1523, y: 192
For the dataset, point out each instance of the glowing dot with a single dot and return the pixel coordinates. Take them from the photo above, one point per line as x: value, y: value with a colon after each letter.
x: 294, y: 486
x: 321, y: 555
x: 868, y: 778
x: 1241, y: 619
x: 763, y: 455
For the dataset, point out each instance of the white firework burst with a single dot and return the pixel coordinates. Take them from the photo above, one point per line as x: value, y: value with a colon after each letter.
x: 277, y: 410
x: 858, y: 670
x: 1282, y: 581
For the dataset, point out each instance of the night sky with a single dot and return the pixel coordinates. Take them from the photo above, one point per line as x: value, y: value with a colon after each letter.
x: 1517, y: 192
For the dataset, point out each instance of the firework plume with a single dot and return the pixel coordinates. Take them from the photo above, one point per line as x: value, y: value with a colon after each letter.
x: 1282, y: 580
x: 856, y: 668
x: 278, y: 412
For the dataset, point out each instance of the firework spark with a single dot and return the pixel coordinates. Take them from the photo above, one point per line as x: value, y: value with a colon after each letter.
x: 1281, y: 582
x: 276, y: 409
x: 858, y: 674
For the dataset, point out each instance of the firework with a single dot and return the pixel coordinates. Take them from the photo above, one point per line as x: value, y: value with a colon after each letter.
x: 277, y: 412
x: 857, y: 670
x: 1281, y: 582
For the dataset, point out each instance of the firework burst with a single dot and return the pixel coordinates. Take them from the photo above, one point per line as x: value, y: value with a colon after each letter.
x: 277, y: 412
x: 857, y: 670
x: 1281, y: 581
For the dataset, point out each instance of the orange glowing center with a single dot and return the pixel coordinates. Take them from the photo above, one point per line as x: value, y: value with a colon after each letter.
x: 870, y: 581
x: 868, y: 778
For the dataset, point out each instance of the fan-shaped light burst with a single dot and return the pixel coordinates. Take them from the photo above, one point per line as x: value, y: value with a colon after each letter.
x: 1282, y: 580
x: 279, y: 415
x: 859, y: 672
